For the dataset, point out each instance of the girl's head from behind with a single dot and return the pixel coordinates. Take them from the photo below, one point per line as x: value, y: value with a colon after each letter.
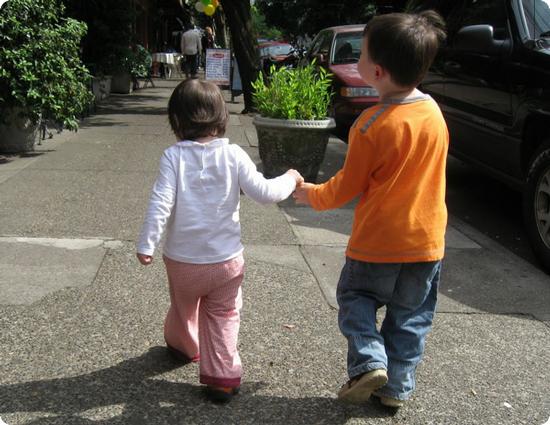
x: 197, y: 109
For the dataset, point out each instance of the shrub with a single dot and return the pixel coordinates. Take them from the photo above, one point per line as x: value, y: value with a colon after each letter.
x: 302, y: 93
x: 40, y: 67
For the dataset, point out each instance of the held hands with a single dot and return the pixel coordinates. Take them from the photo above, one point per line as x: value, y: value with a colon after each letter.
x: 144, y: 259
x: 297, y: 176
x: 302, y: 188
x: 301, y: 193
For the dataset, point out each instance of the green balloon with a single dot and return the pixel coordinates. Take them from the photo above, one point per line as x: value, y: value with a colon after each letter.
x: 206, y: 2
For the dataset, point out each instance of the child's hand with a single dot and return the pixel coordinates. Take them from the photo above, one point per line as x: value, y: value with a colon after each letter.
x: 144, y: 259
x: 301, y: 193
x: 297, y: 176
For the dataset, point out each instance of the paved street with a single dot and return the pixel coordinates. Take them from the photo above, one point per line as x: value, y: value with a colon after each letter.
x: 81, y: 321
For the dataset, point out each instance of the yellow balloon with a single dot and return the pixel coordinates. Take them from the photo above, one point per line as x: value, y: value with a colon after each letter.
x: 209, y: 10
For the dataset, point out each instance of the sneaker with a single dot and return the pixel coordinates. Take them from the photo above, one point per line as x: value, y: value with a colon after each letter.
x: 221, y: 394
x: 389, y: 401
x: 359, y: 389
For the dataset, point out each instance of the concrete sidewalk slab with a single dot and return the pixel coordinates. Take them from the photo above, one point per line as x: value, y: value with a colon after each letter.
x: 93, y: 352
x: 31, y: 268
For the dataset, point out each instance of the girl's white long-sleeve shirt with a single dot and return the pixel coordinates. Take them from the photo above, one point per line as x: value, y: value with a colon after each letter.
x: 196, y: 198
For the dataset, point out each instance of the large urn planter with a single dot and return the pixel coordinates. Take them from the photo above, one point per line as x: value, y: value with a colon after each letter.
x: 298, y: 144
x: 18, y: 133
x: 101, y: 87
x: 122, y: 83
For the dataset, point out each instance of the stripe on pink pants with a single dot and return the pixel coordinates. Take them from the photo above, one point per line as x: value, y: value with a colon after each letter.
x: 204, y: 317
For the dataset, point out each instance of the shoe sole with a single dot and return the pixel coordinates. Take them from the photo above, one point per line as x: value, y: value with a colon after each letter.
x: 361, y: 391
x: 391, y: 402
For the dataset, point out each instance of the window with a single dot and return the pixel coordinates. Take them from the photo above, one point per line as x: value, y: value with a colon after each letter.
x: 480, y: 12
x: 347, y: 48
x: 537, y: 16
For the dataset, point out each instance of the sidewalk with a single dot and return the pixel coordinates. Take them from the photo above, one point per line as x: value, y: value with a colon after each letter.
x: 81, y: 321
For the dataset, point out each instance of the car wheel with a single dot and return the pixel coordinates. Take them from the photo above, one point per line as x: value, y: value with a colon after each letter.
x: 536, y: 204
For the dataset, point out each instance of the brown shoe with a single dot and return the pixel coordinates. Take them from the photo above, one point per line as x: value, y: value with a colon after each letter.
x: 359, y: 389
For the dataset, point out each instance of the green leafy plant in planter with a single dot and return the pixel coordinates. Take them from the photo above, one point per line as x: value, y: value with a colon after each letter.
x: 41, y: 73
x: 293, y: 127
x: 126, y: 65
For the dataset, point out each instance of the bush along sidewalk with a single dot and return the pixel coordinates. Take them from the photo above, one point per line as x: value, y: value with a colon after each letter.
x: 42, y: 77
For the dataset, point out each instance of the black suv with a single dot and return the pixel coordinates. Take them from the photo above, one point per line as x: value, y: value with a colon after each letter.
x: 492, y: 81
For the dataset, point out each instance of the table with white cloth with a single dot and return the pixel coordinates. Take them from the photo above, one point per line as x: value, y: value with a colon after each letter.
x: 169, y: 60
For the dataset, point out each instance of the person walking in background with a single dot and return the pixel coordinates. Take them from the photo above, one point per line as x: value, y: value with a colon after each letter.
x: 396, y: 163
x: 207, y: 43
x: 196, y: 198
x: 190, y: 49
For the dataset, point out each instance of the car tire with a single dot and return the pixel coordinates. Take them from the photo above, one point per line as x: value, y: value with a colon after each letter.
x: 536, y: 204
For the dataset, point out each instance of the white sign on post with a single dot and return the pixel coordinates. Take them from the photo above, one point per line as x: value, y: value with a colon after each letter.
x: 218, y: 63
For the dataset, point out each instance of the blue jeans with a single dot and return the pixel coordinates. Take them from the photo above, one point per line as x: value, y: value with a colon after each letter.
x: 409, y: 292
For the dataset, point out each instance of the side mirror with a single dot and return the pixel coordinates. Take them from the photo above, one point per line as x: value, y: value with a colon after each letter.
x: 478, y: 39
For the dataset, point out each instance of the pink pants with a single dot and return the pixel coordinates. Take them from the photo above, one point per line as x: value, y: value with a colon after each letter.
x: 204, y: 317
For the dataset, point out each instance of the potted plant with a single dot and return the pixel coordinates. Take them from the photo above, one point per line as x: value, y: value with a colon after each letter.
x: 41, y: 74
x: 127, y: 65
x: 293, y: 127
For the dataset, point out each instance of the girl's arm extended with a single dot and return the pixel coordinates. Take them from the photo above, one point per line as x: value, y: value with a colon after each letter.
x: 263, y: 190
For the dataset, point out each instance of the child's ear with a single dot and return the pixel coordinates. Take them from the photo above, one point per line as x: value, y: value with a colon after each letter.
x: 378, y: 72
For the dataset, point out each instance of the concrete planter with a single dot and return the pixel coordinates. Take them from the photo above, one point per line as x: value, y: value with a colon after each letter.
x: 101, y: 87
x: 298, y: 144
x: 18, y: 133
x: 122, y: 83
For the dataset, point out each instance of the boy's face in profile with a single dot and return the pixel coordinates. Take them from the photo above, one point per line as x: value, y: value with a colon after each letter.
x: 365, y: 66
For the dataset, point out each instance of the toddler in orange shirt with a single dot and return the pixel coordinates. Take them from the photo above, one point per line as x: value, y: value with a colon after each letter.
x: 396, y: 164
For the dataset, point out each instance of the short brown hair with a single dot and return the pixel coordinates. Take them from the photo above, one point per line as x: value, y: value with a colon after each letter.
x: 197, y: 109
x: 405, y: 44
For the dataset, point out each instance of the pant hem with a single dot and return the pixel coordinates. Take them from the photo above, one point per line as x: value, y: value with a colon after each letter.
x: 220, y: 382
x: 402, y: 396
x: 359, y: 370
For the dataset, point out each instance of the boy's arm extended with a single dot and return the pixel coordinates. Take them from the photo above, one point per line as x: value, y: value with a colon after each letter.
x: 163, y: 197
x: 351, y: 180
x: 257, y: 187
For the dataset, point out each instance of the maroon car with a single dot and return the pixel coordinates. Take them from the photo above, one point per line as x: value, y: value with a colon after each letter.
x: 337, y: 49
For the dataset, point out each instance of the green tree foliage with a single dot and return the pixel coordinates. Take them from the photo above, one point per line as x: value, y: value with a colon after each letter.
x: 261, y: 28
x: 40, y: 66
x: 310, y: 16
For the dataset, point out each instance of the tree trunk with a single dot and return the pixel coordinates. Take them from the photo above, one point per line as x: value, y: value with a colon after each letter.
x: 239, y: 21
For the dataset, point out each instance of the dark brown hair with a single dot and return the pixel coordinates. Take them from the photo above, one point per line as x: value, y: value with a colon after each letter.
x: 197, y: 109
x: 405, y: 44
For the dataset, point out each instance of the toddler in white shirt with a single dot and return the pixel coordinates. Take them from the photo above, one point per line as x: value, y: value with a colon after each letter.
x: 196, y: 199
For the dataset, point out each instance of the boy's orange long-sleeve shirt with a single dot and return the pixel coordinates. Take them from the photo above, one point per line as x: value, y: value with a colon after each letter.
x: 396, y: 163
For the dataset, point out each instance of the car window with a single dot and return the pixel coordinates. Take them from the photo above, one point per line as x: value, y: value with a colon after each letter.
x: 479, y: 12
x: 326, y: 43
x: 537, y: 16
x: 316, y: 44
x: 276, y: 50
x: 347, y: 48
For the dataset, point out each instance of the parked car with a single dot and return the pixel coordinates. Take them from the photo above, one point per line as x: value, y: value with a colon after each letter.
x: 276, y: 53
x: 492, y: 82
x: 337, y: 49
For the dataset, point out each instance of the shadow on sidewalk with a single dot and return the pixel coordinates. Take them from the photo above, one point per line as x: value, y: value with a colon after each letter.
x: 129, y: 393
